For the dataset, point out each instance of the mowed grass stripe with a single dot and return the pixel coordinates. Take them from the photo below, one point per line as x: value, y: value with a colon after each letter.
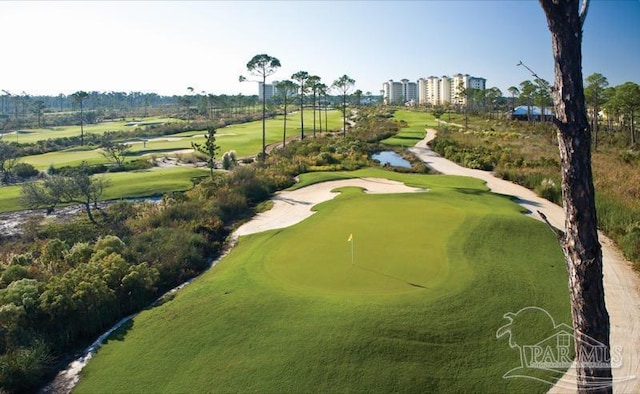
x: 249, y: 326
x: 416, y: 124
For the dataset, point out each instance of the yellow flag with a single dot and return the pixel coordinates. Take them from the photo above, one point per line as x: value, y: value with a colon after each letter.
x: 350, y: 238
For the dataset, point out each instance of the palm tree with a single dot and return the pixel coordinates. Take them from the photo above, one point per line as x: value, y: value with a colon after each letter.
x: 286, y: 89
x: 301, y: 77
x: 263, y: 66
x: 344, y: 85
x: 79, y: 97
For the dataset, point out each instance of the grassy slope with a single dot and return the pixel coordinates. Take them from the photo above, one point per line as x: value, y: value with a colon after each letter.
x: 286, y: 311
x: 417, y: 122
x: 125, y: 185
x: 245, y: 139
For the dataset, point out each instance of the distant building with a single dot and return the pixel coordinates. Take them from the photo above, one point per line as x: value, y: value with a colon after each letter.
x: 532, y: 113
x: 462, y: 82
x: 393, y: 92
x: 409, y: 92
x: 401, y: 92
x: 269, y: 90
x: 432, y: 90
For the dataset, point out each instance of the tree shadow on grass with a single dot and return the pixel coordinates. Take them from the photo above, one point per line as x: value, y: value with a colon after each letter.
x: 120, y: 333
x: 391, y: 276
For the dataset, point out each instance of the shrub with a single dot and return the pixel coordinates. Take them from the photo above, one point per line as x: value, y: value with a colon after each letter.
x: 229, y: 160
x: 549, y: 190
x: 231, y: 203
x: 177, y: 254
x: 24, y: 170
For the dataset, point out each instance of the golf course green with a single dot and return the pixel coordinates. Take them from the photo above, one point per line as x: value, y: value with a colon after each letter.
x: 416, y: 310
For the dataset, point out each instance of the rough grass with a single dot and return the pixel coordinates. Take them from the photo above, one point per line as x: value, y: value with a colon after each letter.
x: 286, y: 311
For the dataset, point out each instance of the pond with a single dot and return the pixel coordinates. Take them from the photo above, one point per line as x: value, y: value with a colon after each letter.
x: 391, y: 158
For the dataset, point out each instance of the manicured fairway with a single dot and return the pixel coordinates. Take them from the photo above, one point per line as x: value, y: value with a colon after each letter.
x: 245, y: 139
x: 151, y: 182
x: 287, y: 312
x: 125, y: 185
x: 417, y: 122
x: 33, y: 135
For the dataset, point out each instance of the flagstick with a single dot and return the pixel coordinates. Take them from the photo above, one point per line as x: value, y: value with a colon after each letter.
x: 352, y: 252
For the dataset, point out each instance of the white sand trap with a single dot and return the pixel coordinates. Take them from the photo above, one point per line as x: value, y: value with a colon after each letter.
x: 291, y: 207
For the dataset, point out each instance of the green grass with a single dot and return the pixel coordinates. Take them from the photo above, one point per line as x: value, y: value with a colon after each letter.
x: 287, y: 312
x: 34, y: 135
x: 9, y: 198
x: 124, y: 185
x: 245, y: 139
x: 151, y: 182
x: 417, y: 122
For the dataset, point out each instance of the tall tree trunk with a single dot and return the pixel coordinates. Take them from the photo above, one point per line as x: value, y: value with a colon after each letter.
x: 301, y: 115
x: 582, y: 250
x: 284, y: 128
x: 87, y: 208
x: 314, y: 114
x: 264, y: 117
x: 595, y: 123
x: 633, y: 130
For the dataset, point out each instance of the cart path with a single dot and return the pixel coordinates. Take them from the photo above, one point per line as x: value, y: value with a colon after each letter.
x: 621, y: 281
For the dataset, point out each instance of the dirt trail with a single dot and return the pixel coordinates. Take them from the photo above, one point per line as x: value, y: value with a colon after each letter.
x: 621, y: 282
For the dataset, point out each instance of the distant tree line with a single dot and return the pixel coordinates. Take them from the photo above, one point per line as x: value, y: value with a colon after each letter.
x: 613, y: 106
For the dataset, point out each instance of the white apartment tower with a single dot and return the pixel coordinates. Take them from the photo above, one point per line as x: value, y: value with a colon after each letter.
x: 464, y: 81
x: 432, y: 90
x: 393, y: 92
x: 444, y: 90
x: 269, y: 90
x: 409, y: 91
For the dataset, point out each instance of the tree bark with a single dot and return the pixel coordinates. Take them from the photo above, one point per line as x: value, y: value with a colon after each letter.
x: 580, y: 245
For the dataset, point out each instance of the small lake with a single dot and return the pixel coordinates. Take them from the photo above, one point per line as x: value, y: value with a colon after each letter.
x: 391, y: 158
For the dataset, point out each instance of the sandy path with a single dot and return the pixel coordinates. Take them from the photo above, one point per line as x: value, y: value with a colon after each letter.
x: 621, y: 282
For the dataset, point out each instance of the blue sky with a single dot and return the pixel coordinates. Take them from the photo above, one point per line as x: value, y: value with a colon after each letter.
x: 164, y: 47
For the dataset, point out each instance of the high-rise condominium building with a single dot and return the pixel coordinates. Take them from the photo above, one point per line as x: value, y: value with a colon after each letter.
x: 269, y: 90
x: 432, y: 90
x: 401, y: 92
x: 392, y: 92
